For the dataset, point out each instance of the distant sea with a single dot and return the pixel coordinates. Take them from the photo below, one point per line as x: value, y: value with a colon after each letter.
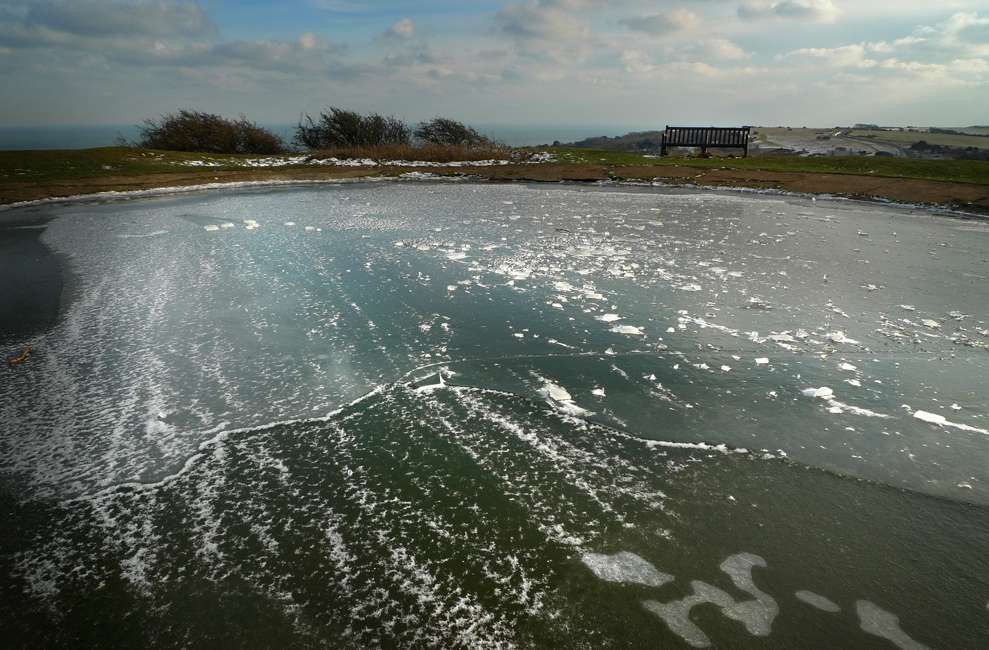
x: 89, y: 136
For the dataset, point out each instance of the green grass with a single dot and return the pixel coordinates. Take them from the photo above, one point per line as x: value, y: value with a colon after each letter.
x: 46, y: 165
x: 125, y: 161
x: 962, y: 171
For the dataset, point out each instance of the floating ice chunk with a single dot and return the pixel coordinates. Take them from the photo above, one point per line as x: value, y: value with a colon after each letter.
x: 955, y: 407
x: 289, y: 223
x: 610, y: 351
x: 853, y: 382
x: 423, y: 248
x: 823, y: 392
x: 557, y: 393
x: 519, y: 335
x: 451, y: 287
x: 593, y: 295
x: 557, y: 305
x: 563, y: 286
x: 608, y: 318
x: 310, y: 228
x: 456, y: 256
x: 598, y: 392
x: 878, y: 621
x: 226, y: 224
x: 670, y: 330
x: 835, y: 409
x: 625, y: 567
x: 250, y: 222
x: 839, y: 337
x: 761, y: 361
x: 725, y: 368
x: 162, y: 415
x: 817, y: 601
x: 630, y: 330
x: 847, y: 367
x: 212, y: 228
x: 781, y: 337
x: 933, y: 418
x: 933, y: 324
x: 675, y: 614
x: 908, y: 307
x: 400, y: 243
x: 251, y: 226
x: 691, y: 287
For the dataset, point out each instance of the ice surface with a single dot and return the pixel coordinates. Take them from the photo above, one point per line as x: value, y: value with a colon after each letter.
x: 756, y: 615
x: 818, y: 601
x: 878, y: 621
x: 933, y: 418
x: 625, y: 567
x: 261, y: 329
x: 558, y: 393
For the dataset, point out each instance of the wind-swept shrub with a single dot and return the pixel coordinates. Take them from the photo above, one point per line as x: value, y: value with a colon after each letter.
x: 446, y: 132
x: 341, y: 128
x: 207, y: 133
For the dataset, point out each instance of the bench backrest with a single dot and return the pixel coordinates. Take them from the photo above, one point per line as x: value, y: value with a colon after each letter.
x: 679, y: 136
x: 706, y: 136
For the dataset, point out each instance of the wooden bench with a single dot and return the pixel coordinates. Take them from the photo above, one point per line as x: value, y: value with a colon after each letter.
x: 704, y: 137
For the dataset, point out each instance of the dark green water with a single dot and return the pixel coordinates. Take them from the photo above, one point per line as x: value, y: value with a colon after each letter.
x: 418, y: 424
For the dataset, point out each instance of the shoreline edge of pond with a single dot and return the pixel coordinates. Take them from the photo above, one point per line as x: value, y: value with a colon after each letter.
x: 959, y: 198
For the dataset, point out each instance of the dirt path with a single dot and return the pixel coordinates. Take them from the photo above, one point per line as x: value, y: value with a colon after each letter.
x: 960, y: 196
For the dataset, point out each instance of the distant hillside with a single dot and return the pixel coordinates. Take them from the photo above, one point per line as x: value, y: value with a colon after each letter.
x: 641, y: 141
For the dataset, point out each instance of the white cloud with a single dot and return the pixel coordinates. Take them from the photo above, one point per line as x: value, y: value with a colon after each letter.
x: 307, y: 52
x: 403, y: 30
x: 845, y: 56
x: 674, y: 20
x: 821, y: 11
x: 637, y: 62
x: 721, y: 48
x: 969, y: 32
x: 545, y: 32
x: 422, y: 56
x: 104, y: 18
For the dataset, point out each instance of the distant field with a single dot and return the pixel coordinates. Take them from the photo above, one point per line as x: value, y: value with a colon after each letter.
x: 906, y: 138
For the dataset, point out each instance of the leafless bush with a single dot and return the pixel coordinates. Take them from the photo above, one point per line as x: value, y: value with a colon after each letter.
x: 425, y: 152
x: 446, y: 132
x: 201, y: 132
x: 342, y: 128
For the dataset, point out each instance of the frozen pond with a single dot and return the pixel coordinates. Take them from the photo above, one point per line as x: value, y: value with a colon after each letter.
x: 474, y: 415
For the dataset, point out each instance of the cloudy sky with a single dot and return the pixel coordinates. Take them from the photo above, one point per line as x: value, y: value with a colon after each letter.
x: 763, y: 62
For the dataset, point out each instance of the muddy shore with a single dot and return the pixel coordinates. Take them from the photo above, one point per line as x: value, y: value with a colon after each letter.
x: 965, y: 197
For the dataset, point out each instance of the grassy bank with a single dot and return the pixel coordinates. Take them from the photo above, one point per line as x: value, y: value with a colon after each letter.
x: 960, y: 171
x: 48, y: 165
